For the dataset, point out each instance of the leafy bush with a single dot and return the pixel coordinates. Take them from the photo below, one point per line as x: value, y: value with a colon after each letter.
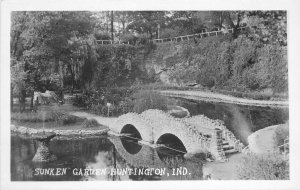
x: 30, y: 117
x: 64, y: 118
x: 264, y: 167
x: 129, y: 38
x: 117, y: 65
x: 142, y: 39
x: 45, y: 116
x: 168, y: 33
x: 134, y: 39
x: 102, y: 35
x: 89, y: 123
x: 272, y: 68
x: 147, y: 99
x: 96, y: 100
x: 281, y: 133
x: 241, y: 64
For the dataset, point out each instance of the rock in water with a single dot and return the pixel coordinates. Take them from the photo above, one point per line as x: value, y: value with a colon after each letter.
x: 178, y: 112
x: 43, y: 153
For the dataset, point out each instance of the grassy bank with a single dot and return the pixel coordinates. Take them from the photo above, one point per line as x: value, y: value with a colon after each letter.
x: 53, y: 117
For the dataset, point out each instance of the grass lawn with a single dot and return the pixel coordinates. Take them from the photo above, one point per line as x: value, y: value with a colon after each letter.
x: 54, y: 117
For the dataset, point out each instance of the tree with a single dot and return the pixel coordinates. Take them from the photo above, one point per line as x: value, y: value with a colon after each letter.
x: 187, y: 22
x: 123, y: 17
x: 41, y: 41
x: 227, y: 19
x: 147, y: 22
x: 268, y: 26
x: 18, y: 85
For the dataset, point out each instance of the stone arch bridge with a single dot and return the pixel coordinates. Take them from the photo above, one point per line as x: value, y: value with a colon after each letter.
x: 196, y: 134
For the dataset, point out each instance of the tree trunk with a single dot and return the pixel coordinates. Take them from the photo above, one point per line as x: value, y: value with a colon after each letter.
x: 22, y: 100
x: 61, y: 72
x: 235, y: 27
x: 112, y: 25
x: 73, y: 76
x: 123, y: 27
x: 11, y: 98
x: 107, y: 21
x: 31, y: 100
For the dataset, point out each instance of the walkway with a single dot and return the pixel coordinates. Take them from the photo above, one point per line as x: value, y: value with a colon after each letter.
x: 107, y: 121
x: 214, y: 97
x: 224, y: 170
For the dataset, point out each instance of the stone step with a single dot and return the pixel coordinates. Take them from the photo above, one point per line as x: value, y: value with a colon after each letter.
x: 225, y: 143
x: 231, y: 151
x: 227, y: 147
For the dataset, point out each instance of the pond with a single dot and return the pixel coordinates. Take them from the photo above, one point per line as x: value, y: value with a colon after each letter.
x: 240, y: 119
x: 114, y: 158
x: 100, y: 158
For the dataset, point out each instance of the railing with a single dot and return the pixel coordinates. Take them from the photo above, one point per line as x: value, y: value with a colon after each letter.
x: 175, y: 39
x: 106, y: 42
x: 193, y: 36
x: 285, y: 146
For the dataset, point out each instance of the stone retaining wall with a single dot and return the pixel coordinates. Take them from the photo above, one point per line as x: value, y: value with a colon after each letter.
x: 72, y: 132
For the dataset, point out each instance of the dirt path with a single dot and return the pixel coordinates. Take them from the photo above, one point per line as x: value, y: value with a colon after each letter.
x: 224, y: 170
x: 215, y: 97
x: 101, y: 120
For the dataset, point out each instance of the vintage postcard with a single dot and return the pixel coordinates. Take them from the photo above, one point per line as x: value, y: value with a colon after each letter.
x: 130, y: 92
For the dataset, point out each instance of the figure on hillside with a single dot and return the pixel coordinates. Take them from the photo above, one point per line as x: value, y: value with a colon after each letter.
x: 195, y: 40
x: 46, y: 98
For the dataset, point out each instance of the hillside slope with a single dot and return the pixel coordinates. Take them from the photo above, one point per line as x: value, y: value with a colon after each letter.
x: 220, y: 62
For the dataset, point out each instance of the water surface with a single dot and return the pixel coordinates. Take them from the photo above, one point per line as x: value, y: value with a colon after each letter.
x: 112, y: 153
x: 100, y: 153
x: 240, y: 119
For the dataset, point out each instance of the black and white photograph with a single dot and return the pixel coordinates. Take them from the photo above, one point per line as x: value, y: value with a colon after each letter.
x: 147, y: 95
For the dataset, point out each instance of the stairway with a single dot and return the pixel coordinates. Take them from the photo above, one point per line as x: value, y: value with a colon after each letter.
x: 227, y: 148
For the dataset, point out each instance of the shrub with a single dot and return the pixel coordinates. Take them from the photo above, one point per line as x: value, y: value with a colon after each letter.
x: 29, y: 117
x: 281, y: 133
x: 147, y: 99
x: 264, y: 167
x: 102, y: 35
x: 88, y: 123
x: 272, y: 68
x: 142, y: 39
x: 168, y: 33
x: 66, y: 119
x: 95, y: 100
x: 241, y: 64
x: 45, y: 116
x: 79, y: 100
x: 128, y: 37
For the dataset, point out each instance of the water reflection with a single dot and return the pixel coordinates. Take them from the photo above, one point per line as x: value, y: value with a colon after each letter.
x: 131, y: 145
x: 110, y: 154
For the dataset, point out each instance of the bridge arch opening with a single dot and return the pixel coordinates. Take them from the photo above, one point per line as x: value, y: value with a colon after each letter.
x: 131, y: 131
x: 173, y: 142
x: 130, y: 141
